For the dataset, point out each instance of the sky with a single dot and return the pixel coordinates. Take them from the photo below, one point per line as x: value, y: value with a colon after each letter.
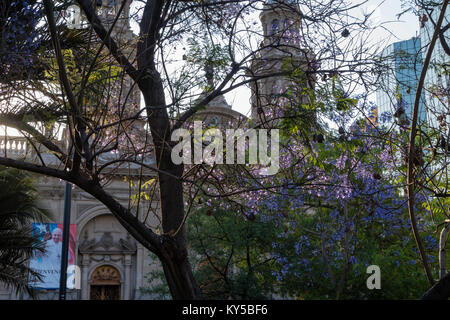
x: 385, y: 12
x: 394, y: 30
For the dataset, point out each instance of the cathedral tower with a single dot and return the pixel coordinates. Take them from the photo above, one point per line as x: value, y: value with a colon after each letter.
x: 281, y: 54
x: 123, y: 96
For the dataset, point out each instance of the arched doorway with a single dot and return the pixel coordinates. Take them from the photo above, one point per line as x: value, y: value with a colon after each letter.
x: 105, y: 283
x: 104, y: 242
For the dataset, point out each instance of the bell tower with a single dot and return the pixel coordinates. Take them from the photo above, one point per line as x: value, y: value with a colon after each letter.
x: 281, y: 19
x: 281, y: 53
x: 106, y: 10
x: 125, y: 93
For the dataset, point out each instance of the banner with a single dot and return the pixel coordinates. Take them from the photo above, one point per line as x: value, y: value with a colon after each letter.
x: 48, y: 263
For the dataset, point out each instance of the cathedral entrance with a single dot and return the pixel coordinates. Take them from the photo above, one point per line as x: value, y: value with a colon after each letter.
x: 105, y: 284
x: 106, y: 292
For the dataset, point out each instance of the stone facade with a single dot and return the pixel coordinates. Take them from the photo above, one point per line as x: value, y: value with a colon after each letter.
x: 101, y: 242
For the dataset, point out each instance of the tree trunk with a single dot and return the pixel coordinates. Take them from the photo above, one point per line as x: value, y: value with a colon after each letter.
x: 171, y: 249
x: 178, y: 272
x: 174, y: 256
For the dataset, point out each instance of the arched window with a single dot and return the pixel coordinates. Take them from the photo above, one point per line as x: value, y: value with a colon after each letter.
x: 275, y: 25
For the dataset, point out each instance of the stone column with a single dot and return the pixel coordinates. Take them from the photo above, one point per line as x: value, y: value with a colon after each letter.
x: 84, y: 277
x: 127, y: 289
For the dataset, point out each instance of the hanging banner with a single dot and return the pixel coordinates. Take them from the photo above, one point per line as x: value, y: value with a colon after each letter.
x: 48, y: 263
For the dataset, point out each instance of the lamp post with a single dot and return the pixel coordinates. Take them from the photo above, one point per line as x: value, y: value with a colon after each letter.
x: 65, y: 242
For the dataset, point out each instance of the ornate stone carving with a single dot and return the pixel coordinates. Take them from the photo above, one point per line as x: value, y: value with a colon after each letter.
x: 107, y: 245
x: 106, y: 241
x: 105, y: 274
x: 87, y: 244
x: 128, y: 244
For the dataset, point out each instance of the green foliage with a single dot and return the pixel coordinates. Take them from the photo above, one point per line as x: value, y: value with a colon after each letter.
x: 231, y: 254
x: 141, y: 190
x: 19, y: 208
x: 157, y: 288
x: 306, y: 275
x: 342, y: 101
x: 209, y: 56
x: 201, y: 53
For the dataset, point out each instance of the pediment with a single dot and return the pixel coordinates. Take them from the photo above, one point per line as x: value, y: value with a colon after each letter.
x: 107, y: 245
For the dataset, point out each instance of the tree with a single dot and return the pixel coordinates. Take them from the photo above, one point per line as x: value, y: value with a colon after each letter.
x: 164, y: 26
x: 348, y: 215
x: 434, y: 161
x: 232, y: 254
x: 19, y: 208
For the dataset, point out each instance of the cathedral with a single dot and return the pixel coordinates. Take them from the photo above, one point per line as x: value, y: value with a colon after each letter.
x: 112, y: 264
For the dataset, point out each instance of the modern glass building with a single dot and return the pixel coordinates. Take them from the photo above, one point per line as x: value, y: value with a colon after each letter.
x: 401, y: 65
x: 437, y: 80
